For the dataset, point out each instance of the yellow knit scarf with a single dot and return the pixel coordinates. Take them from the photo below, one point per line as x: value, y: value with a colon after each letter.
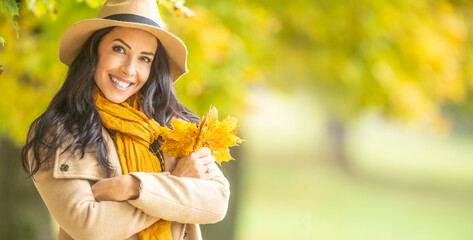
x: 133, y: 133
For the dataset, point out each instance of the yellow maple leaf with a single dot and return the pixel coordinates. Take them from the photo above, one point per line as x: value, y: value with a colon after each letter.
x: 222, y: 156
x: 185, y: 137
x: 218, y: 136
x: 202, y: 126
x: 180, y: 140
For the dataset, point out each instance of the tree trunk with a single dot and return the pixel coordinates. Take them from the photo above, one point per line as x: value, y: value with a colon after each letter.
x: 24, y: 215
x: 337, y: 134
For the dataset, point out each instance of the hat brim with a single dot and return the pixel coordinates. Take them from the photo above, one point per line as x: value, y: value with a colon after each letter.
x: 76, y: 35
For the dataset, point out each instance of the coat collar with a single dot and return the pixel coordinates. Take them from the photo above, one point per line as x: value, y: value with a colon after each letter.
x: 68, y: 165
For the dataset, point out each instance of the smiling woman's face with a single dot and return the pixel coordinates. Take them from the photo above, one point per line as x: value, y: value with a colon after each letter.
x: 125, y: 57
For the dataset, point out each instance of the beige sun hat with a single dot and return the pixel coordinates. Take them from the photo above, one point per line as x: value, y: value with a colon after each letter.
x: 140, y: 14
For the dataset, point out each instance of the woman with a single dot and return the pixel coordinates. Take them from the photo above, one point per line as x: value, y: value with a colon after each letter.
x: 94, y: 153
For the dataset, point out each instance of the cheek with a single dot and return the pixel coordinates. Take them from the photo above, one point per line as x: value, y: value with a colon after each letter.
x: 104, y: 64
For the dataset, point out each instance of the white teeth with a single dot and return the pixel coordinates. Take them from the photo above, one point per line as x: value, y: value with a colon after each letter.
x: 120, y: 83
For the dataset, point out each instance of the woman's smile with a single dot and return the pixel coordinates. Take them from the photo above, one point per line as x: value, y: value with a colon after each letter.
x: 121, y: 84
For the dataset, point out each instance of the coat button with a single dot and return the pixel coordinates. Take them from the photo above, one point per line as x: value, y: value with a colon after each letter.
x: 64, y: 167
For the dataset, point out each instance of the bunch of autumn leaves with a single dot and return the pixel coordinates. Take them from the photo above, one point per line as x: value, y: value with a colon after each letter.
x: 185, y: 137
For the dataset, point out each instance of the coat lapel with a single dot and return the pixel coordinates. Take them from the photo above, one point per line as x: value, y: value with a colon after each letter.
x: 68, y: 165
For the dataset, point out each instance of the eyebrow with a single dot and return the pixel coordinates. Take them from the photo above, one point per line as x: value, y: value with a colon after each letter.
x: 128, y: 46
x: 124, y: 43
x: 147, y: 53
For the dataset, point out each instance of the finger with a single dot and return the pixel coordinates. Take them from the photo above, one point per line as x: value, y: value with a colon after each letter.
x: 207, y: 160
x: 213, y: 168
x: 204, y: 151
x: 204, y: 169
x: 212, y: 175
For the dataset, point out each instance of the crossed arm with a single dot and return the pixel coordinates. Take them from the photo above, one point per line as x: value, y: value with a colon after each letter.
x: 197, y: 165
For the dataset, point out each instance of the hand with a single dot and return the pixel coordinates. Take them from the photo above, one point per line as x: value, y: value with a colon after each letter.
x: 196, y: 165
x: 119, y: 188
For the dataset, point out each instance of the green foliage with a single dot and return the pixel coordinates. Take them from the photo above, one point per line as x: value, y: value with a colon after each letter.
x: 10, y: 9
x: 93, y: 3
x: 407, y: 59
x: 41, y: 8
x: 402, y: 57
x: 32, y: 70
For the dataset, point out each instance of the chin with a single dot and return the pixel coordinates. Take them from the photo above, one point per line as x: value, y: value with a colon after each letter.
x: 117, y: 100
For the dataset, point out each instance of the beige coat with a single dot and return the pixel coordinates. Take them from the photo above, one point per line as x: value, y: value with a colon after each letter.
x: 187, y: 202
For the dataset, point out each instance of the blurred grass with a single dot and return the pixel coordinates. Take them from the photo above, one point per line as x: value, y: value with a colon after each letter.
x: 406, y: 184
x: 412, y: 155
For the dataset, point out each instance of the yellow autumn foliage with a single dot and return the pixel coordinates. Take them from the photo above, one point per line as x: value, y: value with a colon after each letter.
x: 185, y: 137
x: 180, y: 140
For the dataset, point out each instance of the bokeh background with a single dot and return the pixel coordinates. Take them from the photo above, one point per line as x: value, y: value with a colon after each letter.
x: 357, y: 115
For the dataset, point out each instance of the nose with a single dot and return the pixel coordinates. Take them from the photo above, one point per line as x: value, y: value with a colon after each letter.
x: 128, y: 67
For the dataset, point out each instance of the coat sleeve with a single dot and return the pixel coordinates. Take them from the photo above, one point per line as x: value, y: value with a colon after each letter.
x: 72, y: 204
x: 185, y: 200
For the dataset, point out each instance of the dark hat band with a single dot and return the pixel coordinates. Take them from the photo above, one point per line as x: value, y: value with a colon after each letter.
x: 124, y: 17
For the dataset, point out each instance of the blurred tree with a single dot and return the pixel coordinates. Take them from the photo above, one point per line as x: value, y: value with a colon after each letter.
x: 24, y: 213
x: 405, y: 59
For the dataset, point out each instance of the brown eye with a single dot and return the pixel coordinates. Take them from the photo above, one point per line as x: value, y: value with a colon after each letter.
x: 118, y: 49
x: 145, y: 59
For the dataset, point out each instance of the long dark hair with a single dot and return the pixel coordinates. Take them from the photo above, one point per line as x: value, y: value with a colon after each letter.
x: 72, y: 121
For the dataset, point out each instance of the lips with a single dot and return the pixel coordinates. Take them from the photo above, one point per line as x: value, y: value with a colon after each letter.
x: 120, y: 83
